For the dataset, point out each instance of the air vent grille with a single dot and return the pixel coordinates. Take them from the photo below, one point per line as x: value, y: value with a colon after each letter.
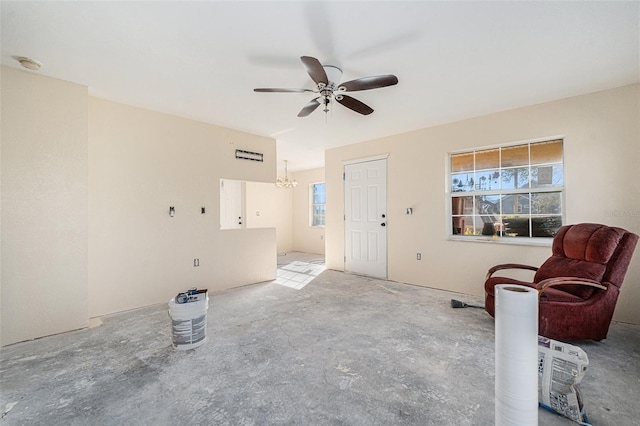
x: 249, y: 155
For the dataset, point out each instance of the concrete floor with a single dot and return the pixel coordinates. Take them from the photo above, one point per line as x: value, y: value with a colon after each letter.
x: 342, y: 350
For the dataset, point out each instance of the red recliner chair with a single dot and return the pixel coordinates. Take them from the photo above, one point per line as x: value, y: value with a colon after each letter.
x: 579, y: 284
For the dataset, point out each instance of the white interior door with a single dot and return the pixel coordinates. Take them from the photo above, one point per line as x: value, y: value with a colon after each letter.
x: 231, y: 204
x: 365, y: 205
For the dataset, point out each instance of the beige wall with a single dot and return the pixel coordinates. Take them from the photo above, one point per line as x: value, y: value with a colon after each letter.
x: 44, y: 206
x: 306, y: 238
x: 284, y: 228
x: 140, y: 163
x: 270, y: 207
x: 86, y: 189
x: 602, y: 153
x: 260, y: 209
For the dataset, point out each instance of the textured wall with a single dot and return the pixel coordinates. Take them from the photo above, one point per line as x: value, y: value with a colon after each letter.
x: 44, y: 206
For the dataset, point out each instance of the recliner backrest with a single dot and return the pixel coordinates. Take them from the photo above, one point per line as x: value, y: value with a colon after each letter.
x: 589, y: 250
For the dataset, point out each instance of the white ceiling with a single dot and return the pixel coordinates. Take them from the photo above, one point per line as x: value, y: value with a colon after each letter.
x: 201, y: 60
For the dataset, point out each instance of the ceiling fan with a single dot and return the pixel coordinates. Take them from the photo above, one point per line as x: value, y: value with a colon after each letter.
x: 327, y: 79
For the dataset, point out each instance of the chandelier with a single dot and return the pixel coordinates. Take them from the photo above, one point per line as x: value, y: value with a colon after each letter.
x: 286, y: 182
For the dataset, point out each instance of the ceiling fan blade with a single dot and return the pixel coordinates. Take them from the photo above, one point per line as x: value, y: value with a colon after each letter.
x: 366, y: 83
x: 354, y: 104
x: 279, y: 90
x: 309, y: 108
x: 315, y: 70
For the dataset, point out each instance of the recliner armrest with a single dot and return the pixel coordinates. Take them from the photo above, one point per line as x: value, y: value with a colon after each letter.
x: 509, y: 266
x: 552, y: 282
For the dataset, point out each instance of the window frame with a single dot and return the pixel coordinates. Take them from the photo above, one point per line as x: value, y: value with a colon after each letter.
x: 450, y: 194
x: 312, y: 204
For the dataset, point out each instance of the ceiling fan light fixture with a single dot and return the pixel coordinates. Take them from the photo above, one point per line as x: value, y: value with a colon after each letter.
x: 327, y: 102
x: 329, y: 87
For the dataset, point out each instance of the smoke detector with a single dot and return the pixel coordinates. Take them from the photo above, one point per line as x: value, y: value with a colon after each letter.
x: 28, y: 63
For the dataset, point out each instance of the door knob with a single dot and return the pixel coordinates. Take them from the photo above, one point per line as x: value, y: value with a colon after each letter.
x: 383, y: 224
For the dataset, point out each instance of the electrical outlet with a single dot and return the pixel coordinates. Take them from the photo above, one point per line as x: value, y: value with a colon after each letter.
x: 419, y: 256
x: 196, y: 262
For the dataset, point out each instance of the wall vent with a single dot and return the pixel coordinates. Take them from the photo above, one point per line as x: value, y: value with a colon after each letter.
x: 248, y: 155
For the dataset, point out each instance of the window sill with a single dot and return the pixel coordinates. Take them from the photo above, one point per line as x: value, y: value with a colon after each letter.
x: 520, y: 241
